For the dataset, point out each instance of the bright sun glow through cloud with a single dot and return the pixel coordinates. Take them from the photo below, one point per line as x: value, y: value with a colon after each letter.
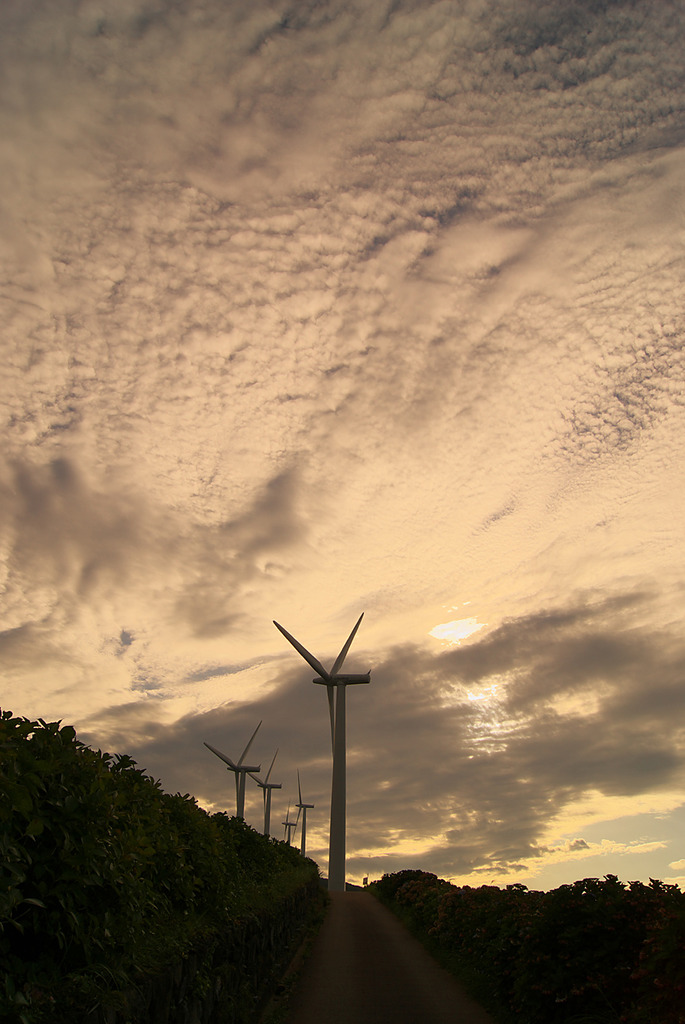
x: 456, y: 631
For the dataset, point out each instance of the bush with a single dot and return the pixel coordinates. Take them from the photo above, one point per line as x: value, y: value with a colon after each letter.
x: 593, y: 950
x: 101, y: 872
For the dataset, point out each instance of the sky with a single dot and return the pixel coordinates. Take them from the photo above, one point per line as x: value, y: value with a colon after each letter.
x: 318, y: 308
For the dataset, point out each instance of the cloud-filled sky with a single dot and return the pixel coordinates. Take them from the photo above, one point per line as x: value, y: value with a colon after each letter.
x: 317, y: 308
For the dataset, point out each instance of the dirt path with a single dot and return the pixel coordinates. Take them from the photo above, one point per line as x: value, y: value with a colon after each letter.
x: 365, y: 968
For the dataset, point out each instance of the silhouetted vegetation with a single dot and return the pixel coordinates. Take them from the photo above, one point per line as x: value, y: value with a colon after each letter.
x: 104, y: 877
x: 594, y: 951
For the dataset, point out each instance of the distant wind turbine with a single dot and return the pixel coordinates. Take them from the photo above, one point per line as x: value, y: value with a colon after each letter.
x: 266, y: 788
x: 302, y: 807
x: 288, y: 827
x: 336, y: 705
x: 240, y: 770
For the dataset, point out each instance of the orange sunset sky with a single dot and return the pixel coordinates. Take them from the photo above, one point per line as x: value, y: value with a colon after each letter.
x: 318, y: 308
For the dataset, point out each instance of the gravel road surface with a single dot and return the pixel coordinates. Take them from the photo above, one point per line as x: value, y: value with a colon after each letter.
x: 365, y: 968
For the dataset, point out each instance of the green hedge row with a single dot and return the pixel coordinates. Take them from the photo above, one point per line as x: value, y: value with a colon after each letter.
x: 104, y: 877
x: 593, y: 951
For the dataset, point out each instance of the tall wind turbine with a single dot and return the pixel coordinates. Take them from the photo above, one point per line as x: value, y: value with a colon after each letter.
x: 335, y: 680
x: 266, y: 788
x: 241, y: 770
x: 302, y: 807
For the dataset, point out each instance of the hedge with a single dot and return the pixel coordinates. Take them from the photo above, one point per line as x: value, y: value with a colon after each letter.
x: 595, y: 950
x: 106, y: 879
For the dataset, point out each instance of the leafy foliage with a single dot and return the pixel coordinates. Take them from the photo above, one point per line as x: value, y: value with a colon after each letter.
x: 596, y: 950
x: 102, y: 872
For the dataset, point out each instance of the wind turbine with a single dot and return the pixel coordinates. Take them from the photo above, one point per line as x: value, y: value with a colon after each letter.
x: 336, y: 704
x: 289, y: 825
x: 303, y: 808
x: 241, y: 770
x: 266, y: 788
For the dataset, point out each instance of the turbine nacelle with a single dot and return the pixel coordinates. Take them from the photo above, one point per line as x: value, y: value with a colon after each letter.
x: 266, y: 788
x: 231, y: 764
x: 240, y: 770
x: 301, y: 804
x: 334, y: 677
x: 288, y: 826
x: 265, y: 784
x: 302, y: 809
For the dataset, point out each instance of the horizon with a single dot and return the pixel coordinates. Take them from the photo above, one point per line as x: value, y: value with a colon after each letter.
x: 254, y: 806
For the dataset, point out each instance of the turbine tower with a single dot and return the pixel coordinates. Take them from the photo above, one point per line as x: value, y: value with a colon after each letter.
x: 334, y: 680
x: 241, y: 770
x: 303, y: 808
x: 266, y: 788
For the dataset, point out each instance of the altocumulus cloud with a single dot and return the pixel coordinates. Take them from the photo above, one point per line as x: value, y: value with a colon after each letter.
x: 337, y: 306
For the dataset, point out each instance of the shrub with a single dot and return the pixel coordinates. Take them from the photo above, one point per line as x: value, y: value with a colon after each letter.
x: 596, y: 949
x: 102, y: 872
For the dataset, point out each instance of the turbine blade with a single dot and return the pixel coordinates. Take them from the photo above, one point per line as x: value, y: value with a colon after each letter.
x: 271, y: 766
x: 242, y: 756
x: 343, y: 654
x: 309, y: 658
x: 223, y: 757
x: 299, y: 787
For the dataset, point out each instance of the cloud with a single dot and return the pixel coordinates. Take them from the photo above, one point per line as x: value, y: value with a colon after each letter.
x: 69, y: 537
x: 239, y: 551
x: 579, y: 844
x: 99, y: 583
x: 475, y: 785
x: 343, y: 307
